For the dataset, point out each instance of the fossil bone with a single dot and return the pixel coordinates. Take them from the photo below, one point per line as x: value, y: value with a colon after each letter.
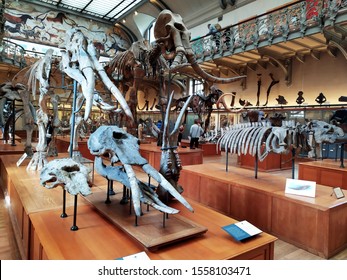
x: 122, y: 147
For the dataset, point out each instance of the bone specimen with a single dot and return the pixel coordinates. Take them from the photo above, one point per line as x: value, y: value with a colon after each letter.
x: 67, y: 173
x: 260, y: 138
x: 123, y: 148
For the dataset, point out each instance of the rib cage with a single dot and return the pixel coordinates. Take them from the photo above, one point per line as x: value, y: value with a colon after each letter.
x: 257, y: 138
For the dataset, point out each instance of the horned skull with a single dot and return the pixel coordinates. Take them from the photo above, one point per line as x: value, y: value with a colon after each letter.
x: 123, y: 147
x: 68, y: 173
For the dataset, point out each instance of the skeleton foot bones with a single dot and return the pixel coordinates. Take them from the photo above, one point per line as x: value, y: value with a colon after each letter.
x: 124, y: 148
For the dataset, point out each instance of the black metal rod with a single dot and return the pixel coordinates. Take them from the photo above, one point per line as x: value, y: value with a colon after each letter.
x: 14, y: 123
x: 256, y: 166
x: 293, y: 163
x: 73, y: 118
x: 74, y: 226
x: 342, y: 154
x: 63, y: 214
x: 108, y: 200
x: 226, y: 160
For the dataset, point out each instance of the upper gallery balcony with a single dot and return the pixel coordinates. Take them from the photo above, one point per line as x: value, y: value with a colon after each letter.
x: 293, y: 31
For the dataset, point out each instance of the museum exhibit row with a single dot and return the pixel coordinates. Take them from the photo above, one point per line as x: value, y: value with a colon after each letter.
x: 106, y: 158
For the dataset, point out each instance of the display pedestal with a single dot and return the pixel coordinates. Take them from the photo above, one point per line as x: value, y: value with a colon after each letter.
x: 63, y: 144
x: 152, y: 153
x: 272, y: 162
x: 326, y: 172
x: 151, y: 231
x: 317, y: 224
x: 42, y: 234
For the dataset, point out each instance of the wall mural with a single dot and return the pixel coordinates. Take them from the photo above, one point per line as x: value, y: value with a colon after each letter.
x: 43, y: 26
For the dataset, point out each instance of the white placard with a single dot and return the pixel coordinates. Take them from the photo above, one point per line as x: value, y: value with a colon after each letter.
x: 23, y: 157
x: 301, y: 187
x: 141, y: 256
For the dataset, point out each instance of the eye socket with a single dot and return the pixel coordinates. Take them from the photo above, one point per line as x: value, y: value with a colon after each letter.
x: 119, y: 135
x: 71, y: 168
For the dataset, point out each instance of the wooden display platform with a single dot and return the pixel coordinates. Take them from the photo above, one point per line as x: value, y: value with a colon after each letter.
x: 208, y: 149
x: 6, y: 149
x: 325, y: 172
x: 318, y: 225
x: 150, y: 230
x: 152, y: 153
x: 42, y: 234
x: 63, y: 144
x: 272, y: 162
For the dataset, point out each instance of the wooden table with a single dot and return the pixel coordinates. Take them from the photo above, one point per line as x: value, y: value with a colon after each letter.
x: 318, y: 225
x: 63, y: 144
x: 6, y: 149
x: 152, y: 153
x: 44, y: 235
x: 272, y: 162
x: 325, y: 172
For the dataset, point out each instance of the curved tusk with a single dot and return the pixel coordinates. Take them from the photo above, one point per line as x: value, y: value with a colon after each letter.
x: 222, y: 101
x: 166, y: 185
x: 198, y: 70
x: 135, y: 193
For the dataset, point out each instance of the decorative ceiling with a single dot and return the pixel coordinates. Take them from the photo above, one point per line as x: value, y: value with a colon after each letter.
x: 109, y: 10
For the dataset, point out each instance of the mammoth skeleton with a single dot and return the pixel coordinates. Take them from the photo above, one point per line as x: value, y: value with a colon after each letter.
x: 173, y: 37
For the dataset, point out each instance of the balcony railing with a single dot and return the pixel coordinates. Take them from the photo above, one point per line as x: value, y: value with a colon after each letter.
x: 286, y: 23
x: 11, y: 53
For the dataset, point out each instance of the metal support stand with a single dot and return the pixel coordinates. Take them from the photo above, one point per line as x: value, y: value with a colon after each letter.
x: 256, y: 166
x: 149, y: 185
x: 108, y: 200
x: 63, y: 214
x: 342, y: 155
x: 125, y: 197
x: 226, y: 160
x: 293, y: 163
x: 14, y: 123
x: 164, y: 218
x: 74, y: 226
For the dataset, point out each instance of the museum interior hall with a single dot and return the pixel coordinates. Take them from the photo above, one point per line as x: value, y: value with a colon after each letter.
x: 173, y: 130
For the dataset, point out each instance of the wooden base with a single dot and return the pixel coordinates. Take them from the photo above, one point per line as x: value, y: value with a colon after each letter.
x: 152, y: 153
x: 325, y: 172
x: 318, y: 225
x: 42, y: 234
x: 271, y: 163
x: 153, y: 229
x: 63, y: 144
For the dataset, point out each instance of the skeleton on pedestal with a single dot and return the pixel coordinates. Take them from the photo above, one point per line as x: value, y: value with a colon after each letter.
x: 80, y: 62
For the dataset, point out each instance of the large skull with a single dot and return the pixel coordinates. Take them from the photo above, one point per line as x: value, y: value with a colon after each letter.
x: 122, y: 147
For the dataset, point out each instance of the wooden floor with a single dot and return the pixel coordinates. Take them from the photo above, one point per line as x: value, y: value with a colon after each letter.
x: 283, y: 250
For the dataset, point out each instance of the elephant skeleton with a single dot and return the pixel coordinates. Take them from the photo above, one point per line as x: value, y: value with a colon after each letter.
x: 123, y: 148
x: 173, y: 37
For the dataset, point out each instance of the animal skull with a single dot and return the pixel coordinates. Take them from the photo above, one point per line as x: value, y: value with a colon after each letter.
x: 123, y: 147
x: 68, y: 173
